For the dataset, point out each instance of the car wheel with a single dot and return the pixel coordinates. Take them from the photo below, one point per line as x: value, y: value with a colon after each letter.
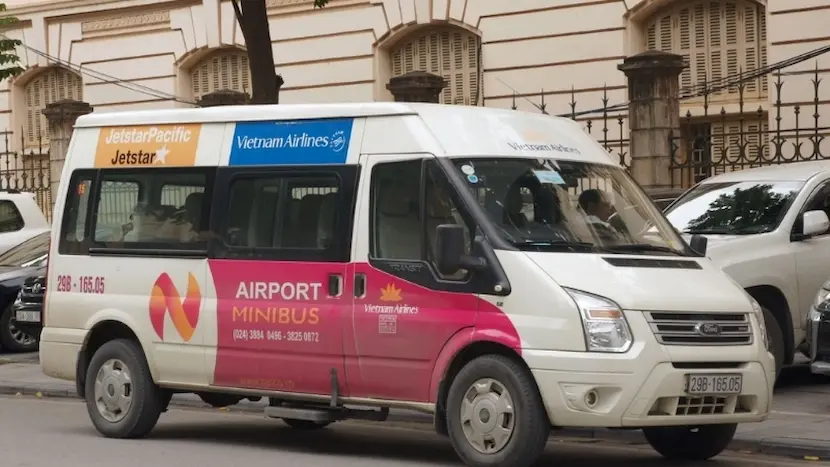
x: 776, y: 340
x: 690, y: 443
x: 495, y: 415
x: 12, y: 338
x: 121, y: 398
x: 305, y: 425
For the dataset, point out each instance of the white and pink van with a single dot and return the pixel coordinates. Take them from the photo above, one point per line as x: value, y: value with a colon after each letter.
x: 494, y: 268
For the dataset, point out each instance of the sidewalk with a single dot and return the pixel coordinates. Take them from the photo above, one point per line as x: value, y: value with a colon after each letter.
x: 790, y: 431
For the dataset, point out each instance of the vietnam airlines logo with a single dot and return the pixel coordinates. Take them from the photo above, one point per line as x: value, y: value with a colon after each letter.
x: 183, y: 312
x: 390, y: 293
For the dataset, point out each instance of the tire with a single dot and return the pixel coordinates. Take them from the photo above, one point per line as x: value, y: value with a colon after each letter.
x: 148, y: 400
x: 305, y: 425
x: 690, y: 443
x: 776, y: 340
x: 218, y: 400
x: 12, y: 339
x: 530, y: 424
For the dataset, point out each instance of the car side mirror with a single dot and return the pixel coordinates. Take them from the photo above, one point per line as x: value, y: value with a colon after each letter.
x: 814, y: 223
x: 450, y: 250
x: 698, y: 244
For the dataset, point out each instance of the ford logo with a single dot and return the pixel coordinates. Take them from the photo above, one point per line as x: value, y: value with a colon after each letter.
x: 708, y: 329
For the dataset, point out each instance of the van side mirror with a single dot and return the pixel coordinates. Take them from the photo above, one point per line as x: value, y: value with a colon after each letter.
x: 450, y: 250
x: 814, y: 223
x: 698, y: 244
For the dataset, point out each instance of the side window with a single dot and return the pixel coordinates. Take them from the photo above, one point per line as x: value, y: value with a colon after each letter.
x: 396, y: 231
x: 404, y: 227
x: 75, y: 214
x: 10, y: 218
x: 284, y: 217
x: 153, y: 209
x: 819, y: 201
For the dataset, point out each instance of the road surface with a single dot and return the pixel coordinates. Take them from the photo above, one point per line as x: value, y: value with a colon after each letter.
x: 39, y: 432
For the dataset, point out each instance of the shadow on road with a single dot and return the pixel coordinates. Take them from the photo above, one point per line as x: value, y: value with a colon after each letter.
x: 799, y: 375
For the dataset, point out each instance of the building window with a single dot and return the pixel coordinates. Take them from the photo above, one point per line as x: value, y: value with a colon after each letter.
x: 717, y: 39
x: 220, y: 71
x: 51, y: 85
x: 450, y: 53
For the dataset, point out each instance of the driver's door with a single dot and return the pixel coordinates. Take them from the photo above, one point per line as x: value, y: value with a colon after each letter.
x: 812, y: 255
x: 404, y: 311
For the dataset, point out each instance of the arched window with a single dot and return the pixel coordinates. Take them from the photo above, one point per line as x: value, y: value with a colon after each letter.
x: 451, y: 53
x: 717, y: 39
x: 219, y: 71
x: 51, y: 85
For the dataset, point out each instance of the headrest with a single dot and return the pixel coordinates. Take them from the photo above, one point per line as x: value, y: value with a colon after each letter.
x: 193, y: 201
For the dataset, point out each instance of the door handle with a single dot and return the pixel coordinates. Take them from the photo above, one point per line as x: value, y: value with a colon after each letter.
x: 335, y: 285
x: 359, y: 285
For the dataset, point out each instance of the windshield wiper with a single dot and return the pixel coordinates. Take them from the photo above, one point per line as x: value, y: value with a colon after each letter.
x: 557, y: 244
x: 642, y: 247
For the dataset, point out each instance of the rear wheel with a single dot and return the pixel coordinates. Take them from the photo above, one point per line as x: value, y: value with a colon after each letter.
x: 688, y: 443
x: 495, y: 415
x: 121, y: 398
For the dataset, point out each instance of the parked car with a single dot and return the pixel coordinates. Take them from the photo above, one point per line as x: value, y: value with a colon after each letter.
x: 767, y: 228
x: 16, y: 265
x: 28, y: 308
x: 20, y: 219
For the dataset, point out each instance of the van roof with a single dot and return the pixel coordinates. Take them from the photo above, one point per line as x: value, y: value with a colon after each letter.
x: 246, y: 113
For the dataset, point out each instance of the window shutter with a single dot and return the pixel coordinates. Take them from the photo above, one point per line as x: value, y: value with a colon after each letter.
x: 225, y: 70
x: 449, y: 53
x: 52, y: 85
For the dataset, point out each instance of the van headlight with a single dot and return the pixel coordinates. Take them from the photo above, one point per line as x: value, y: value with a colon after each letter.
x: 606, y: 329
x: 823, y: 294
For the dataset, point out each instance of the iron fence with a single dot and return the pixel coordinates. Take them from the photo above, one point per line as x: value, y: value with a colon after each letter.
x: 740, y: 137
x: 27, y: 170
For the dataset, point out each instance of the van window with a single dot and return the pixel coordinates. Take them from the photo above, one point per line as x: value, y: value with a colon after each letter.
x: 73, y: 228
x: 153, y: 209
x: 10, y: 218
x: 283, y: 217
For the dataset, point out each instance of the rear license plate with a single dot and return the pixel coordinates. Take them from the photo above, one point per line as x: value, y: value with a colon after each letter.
x: 714, y: 384
x: 28, y: 316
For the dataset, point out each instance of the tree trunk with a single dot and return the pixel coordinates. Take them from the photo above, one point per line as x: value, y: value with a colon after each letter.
x: 253, y: 20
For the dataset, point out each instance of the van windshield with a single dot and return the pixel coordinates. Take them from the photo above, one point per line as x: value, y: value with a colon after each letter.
x: 561, y: 205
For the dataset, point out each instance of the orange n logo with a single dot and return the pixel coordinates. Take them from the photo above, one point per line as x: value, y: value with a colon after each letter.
x: 166, y: 299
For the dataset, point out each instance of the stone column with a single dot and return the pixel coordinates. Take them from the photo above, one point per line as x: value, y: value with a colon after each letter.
x: 61, y: 116
x: 417, y: 86
x: 653, y: 115
x: 223, y: 97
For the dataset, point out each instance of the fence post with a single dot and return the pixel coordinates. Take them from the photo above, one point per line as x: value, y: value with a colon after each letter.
x: 61, y: 116
x: 653, y: 115
x: 417, y: 86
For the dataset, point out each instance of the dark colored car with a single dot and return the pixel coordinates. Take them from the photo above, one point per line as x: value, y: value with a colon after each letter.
x: 28, y: 308
x: 22, y: 262
x: 818, y: 334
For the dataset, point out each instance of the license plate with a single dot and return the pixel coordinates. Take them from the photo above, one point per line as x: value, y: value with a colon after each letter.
x: 28, y: 316
x: 714, y: 384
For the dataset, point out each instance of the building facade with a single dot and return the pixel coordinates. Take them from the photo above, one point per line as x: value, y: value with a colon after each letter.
x: 147, y: 54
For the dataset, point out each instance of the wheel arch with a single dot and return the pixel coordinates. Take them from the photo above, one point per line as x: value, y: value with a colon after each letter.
x: 100, y: 333
x: 774, y: 300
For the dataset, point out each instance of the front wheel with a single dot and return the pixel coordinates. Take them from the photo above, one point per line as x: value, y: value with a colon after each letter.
x: 495, y: 415
x: 776, y: 340
x: 121, y: 398
x: 12, y: 338
x: 687, y: 443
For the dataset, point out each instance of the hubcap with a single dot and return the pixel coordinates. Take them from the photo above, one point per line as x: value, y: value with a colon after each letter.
x: 19, y: 336
x: 487, y: 416
x: 113, y: 390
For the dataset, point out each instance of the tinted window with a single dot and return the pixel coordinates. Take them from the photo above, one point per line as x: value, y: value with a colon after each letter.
x: 153, y: 209
x: 32, y: 249
x: 283, y: 217
x: 73, y: 228
x: 10, y: 218
x: 733, y: 208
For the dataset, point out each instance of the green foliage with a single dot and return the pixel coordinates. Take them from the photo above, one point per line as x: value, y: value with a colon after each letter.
x: 9, y: 61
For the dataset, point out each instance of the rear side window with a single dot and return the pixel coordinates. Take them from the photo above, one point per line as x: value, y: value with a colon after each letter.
x: 10, y: 218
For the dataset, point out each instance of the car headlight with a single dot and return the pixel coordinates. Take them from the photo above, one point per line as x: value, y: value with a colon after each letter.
x: 823, y: 294
x: 606, y: 329
x: 759, y: 315
x: 19, y: 297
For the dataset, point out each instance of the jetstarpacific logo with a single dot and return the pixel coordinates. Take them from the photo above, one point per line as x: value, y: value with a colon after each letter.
x: 166, y: 299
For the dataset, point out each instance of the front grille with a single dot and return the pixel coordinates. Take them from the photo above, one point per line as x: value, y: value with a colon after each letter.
x: 28, y: 295
x: 701, y: 328
x: 691, y: 406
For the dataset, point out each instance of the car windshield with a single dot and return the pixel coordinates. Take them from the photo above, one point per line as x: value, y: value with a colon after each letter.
x: 30, y: 253
x: 543, y: 204
x: 733, y: 208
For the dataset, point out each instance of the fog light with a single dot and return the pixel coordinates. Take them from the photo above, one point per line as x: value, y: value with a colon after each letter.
x: 591, y: 398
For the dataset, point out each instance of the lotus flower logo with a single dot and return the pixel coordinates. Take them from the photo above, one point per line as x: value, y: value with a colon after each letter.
x: 390, y: 293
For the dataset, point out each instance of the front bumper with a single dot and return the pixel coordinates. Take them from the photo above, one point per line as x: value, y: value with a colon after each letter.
x: 646, y: 386
x: 818, y: 338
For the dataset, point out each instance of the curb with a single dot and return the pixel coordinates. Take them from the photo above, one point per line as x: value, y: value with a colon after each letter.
x: 812, y: 450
